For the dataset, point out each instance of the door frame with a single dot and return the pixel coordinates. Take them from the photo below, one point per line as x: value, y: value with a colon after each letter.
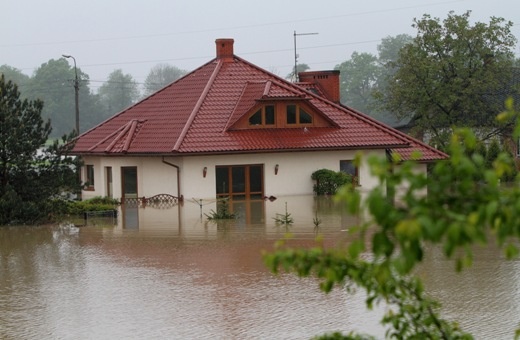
x: 123, y: 193
x: 247, y: 185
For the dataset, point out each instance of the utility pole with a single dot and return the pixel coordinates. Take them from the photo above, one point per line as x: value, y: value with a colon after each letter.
x: 296, y: 54
x: 76, y: 91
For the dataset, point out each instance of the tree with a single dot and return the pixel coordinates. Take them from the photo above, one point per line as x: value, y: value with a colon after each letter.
x: 459, y: 211
x: 388, y: 54
x: 15, y: 75
x: 119, y: 92
x: 359, y: 77
x: 365, y: 75
x: 53, y: 83
x: 451, y: 74
x: 388, y: 49
x: 299, y: 68
x: 161, y: 75
x: 50, y: 84
x: 30, y: 174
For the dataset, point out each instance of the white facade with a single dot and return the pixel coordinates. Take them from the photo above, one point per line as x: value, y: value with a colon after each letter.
x: 157, y: 175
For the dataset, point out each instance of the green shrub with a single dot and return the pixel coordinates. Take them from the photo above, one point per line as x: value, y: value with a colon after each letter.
x: 222, y: 212
x: 328, y: 181
x: 102, y: 200
x: 78, y: 208
x: 13, y: 210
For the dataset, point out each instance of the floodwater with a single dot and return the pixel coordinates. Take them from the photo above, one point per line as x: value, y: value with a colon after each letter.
x: 167, y: 272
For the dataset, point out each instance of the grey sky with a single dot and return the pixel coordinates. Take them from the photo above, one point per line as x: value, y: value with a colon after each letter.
x: 133, y: 35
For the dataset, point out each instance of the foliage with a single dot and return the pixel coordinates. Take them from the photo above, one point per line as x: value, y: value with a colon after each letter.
x: 222, y: 212
x: 359, y: 77
x: 299, y: 68
x: 284, y: 219
x: 365, y: 75
x: 103, y: 200
x: 316, y: 221
x: 78, y: 208
x: 53, y: 83
x: 30, y: 174
x: 329, y: 181
x: 389, y: 48
x: 161, y: 75
x: 339, y: 336
x: 119, y: 92
x: 452, y: 74
x: 458, y: 212
x: 15, y: 75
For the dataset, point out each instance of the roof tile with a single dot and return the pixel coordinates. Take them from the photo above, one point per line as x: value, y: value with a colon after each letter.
x: 193, y: 116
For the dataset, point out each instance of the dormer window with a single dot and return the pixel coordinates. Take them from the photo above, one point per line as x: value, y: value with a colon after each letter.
x: 264, y: 116
x: 281, y: 114
x: 296, y: 115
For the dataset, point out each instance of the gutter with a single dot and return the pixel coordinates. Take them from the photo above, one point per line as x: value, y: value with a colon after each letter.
x: 178, y: 178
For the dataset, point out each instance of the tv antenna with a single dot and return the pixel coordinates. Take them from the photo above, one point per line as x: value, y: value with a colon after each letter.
x: 296, y: 54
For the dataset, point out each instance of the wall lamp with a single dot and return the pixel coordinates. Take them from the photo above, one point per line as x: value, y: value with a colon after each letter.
x: 276, y: 169
x: 204, y: 171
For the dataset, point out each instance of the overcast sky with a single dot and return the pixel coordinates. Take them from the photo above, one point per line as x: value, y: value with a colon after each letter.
x: 133, y: 35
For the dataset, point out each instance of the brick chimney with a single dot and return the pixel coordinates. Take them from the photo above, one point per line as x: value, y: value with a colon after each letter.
x: 328, y: 82
x: 225, y: 49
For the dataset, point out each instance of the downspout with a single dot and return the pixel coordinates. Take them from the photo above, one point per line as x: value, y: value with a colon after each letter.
x: 178, y: 178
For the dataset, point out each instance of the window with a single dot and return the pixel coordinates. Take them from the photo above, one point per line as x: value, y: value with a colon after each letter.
x: 296, y: 115
x: 89, y: 185
x: 281, y: 114
x: 348, y: 167
x: 263, y: 116
x: 240, y: 181
x: 108, y: 178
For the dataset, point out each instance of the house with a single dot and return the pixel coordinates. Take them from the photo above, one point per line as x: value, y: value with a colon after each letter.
x: 230, y: 128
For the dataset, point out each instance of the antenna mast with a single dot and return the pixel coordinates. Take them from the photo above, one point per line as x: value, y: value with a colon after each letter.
x: 296, y: 54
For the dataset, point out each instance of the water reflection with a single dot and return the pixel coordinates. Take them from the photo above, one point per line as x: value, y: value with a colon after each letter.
x: 186, y: 218
x: 170, y: 273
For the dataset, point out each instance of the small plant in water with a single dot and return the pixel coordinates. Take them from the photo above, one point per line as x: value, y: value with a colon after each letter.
x: 317, y: 221
x: 222, y: 212
x: 285, y: 219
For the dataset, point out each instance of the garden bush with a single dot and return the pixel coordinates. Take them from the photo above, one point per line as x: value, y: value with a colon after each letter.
x: 328, y: 181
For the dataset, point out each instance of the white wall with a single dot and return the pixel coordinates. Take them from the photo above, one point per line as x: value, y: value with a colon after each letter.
x: 155, y: 177
x: 294, y: 171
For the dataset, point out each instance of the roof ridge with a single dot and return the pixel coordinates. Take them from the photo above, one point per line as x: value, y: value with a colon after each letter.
x: 197, y: 106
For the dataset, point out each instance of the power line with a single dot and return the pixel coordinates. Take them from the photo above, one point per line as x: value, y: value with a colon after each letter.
x: 208, y: 57
x: 232, y: 27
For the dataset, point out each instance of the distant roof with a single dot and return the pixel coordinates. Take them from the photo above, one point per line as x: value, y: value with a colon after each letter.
x: 195, y: 115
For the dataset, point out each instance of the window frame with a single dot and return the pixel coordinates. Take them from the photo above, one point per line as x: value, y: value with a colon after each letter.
x: 263, y: 114
x: 89, y: 177
x: 298, y: 115
x: 251, y: 189
x: 343, y: 163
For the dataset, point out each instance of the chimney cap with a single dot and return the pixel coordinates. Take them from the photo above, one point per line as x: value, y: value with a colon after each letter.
x: 225, y: 49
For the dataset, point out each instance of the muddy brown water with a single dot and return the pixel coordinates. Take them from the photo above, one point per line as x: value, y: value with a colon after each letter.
x: 167, y: 272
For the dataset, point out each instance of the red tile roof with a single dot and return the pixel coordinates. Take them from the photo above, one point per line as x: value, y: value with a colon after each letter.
x: 194, y: 115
